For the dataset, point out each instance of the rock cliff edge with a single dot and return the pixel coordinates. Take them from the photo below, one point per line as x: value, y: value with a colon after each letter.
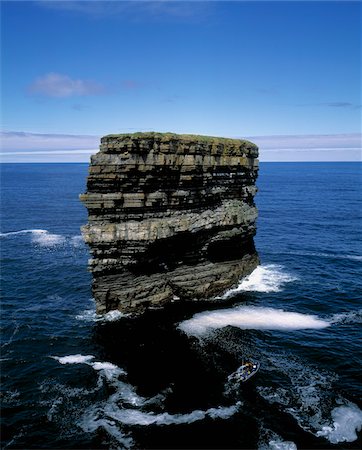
x: 170, y: 217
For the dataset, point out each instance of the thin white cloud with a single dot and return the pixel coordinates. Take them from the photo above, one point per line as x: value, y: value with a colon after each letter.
x: 316, y: 141
x: 137, y: 10
x: 37, y: 147
x: 58, y: 85
x: 341, y: 105
x: 311, y: 155
x: 53, y: 152
x: 338, y: 104
x: 12, y: 141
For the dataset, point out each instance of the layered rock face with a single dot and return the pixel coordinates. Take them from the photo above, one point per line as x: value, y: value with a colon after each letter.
x: 170, y: 217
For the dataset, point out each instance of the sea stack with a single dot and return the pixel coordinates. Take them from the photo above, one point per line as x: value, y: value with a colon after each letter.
x: 170, y: 217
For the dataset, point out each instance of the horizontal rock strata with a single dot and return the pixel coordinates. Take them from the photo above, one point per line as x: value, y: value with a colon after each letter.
x: 170, y: 217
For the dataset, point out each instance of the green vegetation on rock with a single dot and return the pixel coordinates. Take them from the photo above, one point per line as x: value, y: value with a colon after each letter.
x: 228, y: 143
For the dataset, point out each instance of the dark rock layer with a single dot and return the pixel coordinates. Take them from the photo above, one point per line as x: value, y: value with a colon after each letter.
x: 170, y: 217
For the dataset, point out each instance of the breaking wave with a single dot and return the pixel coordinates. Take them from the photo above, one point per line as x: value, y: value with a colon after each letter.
x: 268, y: 278
x: 90, y: 315
x: 250, y: 317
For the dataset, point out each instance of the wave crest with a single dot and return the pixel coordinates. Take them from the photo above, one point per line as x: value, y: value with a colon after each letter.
x: 268, y: 278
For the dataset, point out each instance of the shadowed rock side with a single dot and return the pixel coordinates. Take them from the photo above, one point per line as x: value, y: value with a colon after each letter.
x: 170, y: 216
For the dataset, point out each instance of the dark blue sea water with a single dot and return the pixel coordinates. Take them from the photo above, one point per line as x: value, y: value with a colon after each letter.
x: 71, y: 379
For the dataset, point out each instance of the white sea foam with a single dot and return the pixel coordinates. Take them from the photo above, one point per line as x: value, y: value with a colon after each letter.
x: 90, y: 315
x: 46, y: 239
x: 90, y: 423
x: 39, y: 237
x: 124, y: 407
x: 305, y: 392
x: 307, y: 398
x: 268, y: 278
x: 73, y: 359
x: 93, y: 418
x: 347, y: 420
x: 14, y: 233
x: 77, y: 241
x: 277, y: 444
x: 111, y: 371
x: 106, y: 366
x: 272, y: 441
x: 113, y: 316
x: 141, y: 418
x: 250, y: 317
x: 347, y: 317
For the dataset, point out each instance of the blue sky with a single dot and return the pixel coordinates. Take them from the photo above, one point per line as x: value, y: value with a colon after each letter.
x: 287, y: 74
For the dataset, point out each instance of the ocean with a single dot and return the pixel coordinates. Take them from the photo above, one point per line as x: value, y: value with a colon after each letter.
x: 72, y: 379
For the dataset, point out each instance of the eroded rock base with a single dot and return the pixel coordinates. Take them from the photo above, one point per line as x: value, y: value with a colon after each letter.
x: 132, y: 293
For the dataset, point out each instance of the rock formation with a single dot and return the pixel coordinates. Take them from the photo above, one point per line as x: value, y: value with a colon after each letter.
x: 170, y: 217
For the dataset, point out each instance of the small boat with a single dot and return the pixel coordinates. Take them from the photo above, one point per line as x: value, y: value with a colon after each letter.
x: 244, y: 372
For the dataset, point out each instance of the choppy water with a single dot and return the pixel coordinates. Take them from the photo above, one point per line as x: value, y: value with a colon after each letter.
x: 71, y: 379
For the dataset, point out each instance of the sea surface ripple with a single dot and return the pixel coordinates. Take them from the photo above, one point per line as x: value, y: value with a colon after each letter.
x: 73, y: 379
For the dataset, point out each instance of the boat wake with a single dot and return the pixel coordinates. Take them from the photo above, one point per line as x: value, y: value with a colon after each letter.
x: 307, y: 393
x: 308, y: 396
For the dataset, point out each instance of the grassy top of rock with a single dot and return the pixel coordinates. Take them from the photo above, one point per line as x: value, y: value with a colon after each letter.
x: 189, y: 138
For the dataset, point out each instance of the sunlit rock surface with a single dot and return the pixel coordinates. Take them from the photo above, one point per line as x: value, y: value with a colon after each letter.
x: 170, y: 217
